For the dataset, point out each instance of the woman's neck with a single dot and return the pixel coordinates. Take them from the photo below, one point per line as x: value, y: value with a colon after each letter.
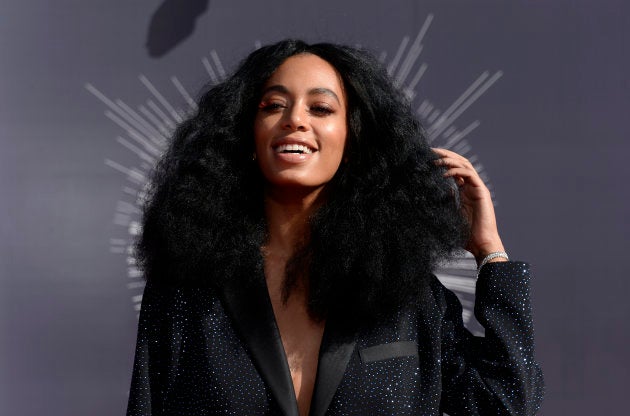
x: 287, y: 214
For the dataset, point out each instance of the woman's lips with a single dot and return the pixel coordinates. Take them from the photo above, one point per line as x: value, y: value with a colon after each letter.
x: 290, y: 157
x: 292, y: 152
x: 293, y: 148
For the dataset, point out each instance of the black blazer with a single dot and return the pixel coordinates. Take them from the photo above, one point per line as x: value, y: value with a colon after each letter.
x: 200, y: 352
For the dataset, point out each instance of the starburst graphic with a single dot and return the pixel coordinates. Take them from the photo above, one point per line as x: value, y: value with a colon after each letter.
x: 148, y: 128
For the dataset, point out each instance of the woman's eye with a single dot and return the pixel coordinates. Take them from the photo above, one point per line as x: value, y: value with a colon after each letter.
x: 321, y: 110
x: 270, y: 107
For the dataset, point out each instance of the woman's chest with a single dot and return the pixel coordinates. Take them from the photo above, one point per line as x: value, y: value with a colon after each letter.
x: 236, y: 362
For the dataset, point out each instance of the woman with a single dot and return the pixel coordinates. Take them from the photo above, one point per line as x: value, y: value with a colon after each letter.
x: 288, y: 246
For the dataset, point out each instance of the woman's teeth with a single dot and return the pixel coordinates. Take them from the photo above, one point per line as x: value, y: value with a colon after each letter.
x: 293, y: 148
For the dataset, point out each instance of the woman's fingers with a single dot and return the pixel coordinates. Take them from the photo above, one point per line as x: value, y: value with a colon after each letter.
x: 459, y: 168
x: 452, y: 160
x: 476, y: 202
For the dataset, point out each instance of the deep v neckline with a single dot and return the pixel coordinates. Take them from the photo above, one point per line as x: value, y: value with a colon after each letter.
x: 301, y: 338
x: 251, y: 312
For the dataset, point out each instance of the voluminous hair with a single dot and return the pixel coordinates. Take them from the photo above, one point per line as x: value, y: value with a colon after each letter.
x: 389, y: 216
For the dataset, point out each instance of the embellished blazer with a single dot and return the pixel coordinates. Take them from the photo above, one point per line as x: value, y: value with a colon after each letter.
x: 203, y: 351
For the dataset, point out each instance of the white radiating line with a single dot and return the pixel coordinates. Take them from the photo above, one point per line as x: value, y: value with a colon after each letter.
x: 411, y: 58
x: 101, y: 97
x: 121, y: 219
x: 133, y: 133
x: 136, y: 285
x: 392, y: 66
x: 133, y: 174
x: 134, y: 272
x: 462, y: 264
x: 466, y: 315
x: 133, y: 122
x: 403, y: 72
x: 130, y: 191
x: 455, y: 287
x: 460, y: 135
x: 184, y: 93
x: 424, y: 29
x: 424, y: 109
x: 461, y: 284
x: 433, y: 116
x: 463, y: 267
x: 141, y: 153
x: 382, y: 57
x: 156, y: 123
x: 448, y: 132
x: 213, y: 75
x: 414, y: 52
x: 482, y: 175
x: 468, y: 102
x: 416, y: 79
x: 457, y: 280
x: 127, y: 208
x: 217, y: 64
x: 257, y: 44
x: 137, y: 298
x: 462, y: 147
x: 412, y: 55
x: 134, y: 228
x: 151, y: 132
x: 160, y: 98
x: 115, y: 107
x: 428, y: 110
x: 459, y: 100
x: 165, y: 119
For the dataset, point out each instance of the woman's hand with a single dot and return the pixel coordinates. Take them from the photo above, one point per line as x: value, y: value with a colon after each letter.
x: 476, y: 203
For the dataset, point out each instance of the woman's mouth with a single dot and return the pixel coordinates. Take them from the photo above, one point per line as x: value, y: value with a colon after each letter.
x: 293, y: 148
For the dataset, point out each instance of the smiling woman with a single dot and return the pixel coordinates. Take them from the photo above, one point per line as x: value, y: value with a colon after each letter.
x: 288, y: 245
x: 300, y: 127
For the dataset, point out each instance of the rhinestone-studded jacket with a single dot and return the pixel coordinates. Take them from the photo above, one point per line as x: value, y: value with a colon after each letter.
x: 201, y: 352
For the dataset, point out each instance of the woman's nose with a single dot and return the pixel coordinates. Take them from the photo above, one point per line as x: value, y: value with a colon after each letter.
x: 295, y: 118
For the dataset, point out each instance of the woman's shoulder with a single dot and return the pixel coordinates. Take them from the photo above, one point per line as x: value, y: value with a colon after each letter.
x: 176, y: 294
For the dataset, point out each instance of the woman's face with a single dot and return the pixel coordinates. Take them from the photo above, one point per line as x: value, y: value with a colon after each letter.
x: 300, y: 127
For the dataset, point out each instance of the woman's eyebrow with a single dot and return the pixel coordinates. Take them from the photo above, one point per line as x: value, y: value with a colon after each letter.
x: 278, y: 88
x: 326, y: 91
x: 313, y: 91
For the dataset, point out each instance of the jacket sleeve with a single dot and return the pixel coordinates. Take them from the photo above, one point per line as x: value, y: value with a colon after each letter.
x: 157, y: 350
x: 495, y: 374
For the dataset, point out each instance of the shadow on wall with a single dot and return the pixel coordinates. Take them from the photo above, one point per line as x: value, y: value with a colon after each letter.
x: 172, y: 23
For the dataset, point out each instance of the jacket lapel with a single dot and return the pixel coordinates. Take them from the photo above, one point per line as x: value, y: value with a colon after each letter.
x: 335, y: 353
x: 250, y: 309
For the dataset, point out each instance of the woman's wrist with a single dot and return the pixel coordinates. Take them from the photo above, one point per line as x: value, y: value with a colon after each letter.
x: 494, y: 257
x: 482, y: 252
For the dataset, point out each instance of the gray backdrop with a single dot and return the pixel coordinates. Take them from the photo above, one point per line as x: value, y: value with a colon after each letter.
x: 551, y: 134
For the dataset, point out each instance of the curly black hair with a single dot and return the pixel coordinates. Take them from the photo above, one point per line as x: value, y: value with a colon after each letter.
x: 389, y: 217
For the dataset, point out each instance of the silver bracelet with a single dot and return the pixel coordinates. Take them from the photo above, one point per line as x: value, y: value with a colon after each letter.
x: 491, y: 256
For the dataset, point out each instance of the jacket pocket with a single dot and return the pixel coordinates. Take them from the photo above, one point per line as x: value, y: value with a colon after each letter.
x: 389, y: 350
